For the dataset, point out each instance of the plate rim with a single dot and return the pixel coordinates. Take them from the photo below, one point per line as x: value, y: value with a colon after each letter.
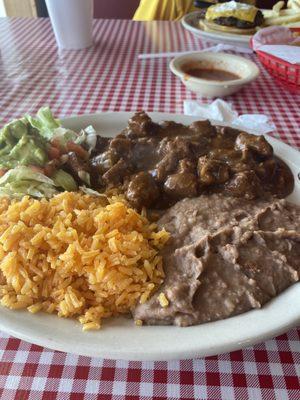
x: 212, y: 35
x: 133, y: 352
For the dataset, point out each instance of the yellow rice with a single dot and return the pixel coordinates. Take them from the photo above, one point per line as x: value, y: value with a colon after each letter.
x: 78, y: 256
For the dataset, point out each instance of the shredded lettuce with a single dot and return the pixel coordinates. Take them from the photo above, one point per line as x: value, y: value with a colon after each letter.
x: 24, y: 173
x: 21, y: 181
x: 63, y: 136
x: 88, y: 136
x: 50, y: 128
x: 92, y: 192
x: 27, y: 152
x: 64, y: 180
x: 19, y: 145
x: 85, y: 177
x: 24, y: 143
x: 44, y: 122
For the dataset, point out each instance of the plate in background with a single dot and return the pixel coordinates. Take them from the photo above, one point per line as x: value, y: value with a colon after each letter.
x: 191, y: 23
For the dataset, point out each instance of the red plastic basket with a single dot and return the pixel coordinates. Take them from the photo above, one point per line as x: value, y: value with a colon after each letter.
x: 285, y: 73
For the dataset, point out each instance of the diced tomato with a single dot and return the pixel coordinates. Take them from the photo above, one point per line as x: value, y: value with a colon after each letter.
x: 51, y: 167
x: 2, y: 171
x: 55, y: 142
x: 53, y: 152
x: 49, y: 170
x: 77, y: 149
x: 37, y: 169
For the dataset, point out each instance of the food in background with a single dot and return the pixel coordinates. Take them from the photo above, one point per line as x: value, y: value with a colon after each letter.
x: 232, y: 17
x: 202, y: 4
x: 280, y: 16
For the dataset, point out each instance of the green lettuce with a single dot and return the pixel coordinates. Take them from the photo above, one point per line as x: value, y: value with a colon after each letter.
x: 20, y: 144
x: 63, y: 136
x: 22, y: 180
x: 44, y: 122
x: 24, y: 141
x: 64, y: 180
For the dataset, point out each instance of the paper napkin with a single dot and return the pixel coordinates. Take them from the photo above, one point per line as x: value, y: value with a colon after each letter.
x: 278, y: 41
x: 219, y: 111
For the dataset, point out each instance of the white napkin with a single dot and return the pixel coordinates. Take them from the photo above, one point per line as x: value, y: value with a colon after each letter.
x: 223, y: 47
x: 278, y: 41
x: 287, y: 53
x: 219, y: 111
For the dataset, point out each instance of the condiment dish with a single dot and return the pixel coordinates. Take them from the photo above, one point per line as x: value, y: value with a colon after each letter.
x: 245, y: 70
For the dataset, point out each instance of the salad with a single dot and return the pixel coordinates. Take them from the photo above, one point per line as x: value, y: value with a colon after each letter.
x: 38, y: 157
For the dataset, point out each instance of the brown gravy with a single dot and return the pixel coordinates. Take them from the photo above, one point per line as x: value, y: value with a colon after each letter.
x: 211, y: 74
x: 155, y: 165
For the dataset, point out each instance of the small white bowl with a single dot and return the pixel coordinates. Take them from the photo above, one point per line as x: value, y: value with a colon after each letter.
x: 245, y: 69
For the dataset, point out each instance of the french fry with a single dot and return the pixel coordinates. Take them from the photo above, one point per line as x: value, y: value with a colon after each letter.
x: 280, y: 16
x: 293, y: 4
x: 278, y: 6
x: 293, y: 25
x: 271, y: 14
x: 268, y: 13
x: 288, y: 12
x: 294, y: 7
x: 278, y: 11
x: 284, y: 19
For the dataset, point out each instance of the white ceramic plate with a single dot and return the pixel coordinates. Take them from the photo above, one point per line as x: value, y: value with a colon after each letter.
x: 191, y: 23
x: 121, y: 339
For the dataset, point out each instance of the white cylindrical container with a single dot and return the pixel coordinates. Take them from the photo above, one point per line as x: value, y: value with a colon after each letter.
x: 72, y: 22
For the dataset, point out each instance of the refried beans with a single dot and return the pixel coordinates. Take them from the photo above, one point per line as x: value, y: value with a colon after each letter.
x: 226, y: 256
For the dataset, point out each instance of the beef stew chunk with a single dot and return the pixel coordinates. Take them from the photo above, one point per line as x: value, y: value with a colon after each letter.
x: 142, y: 190
x: 76, y: 166
x: 212, y: 172
x: 258, y: 144
x: 244, y: 184
x: 181, y: 185
x: 156, y: 165
x: 116, y: 174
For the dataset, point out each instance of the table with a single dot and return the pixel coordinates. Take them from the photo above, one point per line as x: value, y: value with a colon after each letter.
x: 109, y: 77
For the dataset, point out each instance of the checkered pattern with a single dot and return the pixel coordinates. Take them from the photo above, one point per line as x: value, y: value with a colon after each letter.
x: 109, y: 77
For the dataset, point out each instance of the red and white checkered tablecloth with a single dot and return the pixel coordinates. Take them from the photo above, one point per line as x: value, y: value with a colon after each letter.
x: 109, y: 77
